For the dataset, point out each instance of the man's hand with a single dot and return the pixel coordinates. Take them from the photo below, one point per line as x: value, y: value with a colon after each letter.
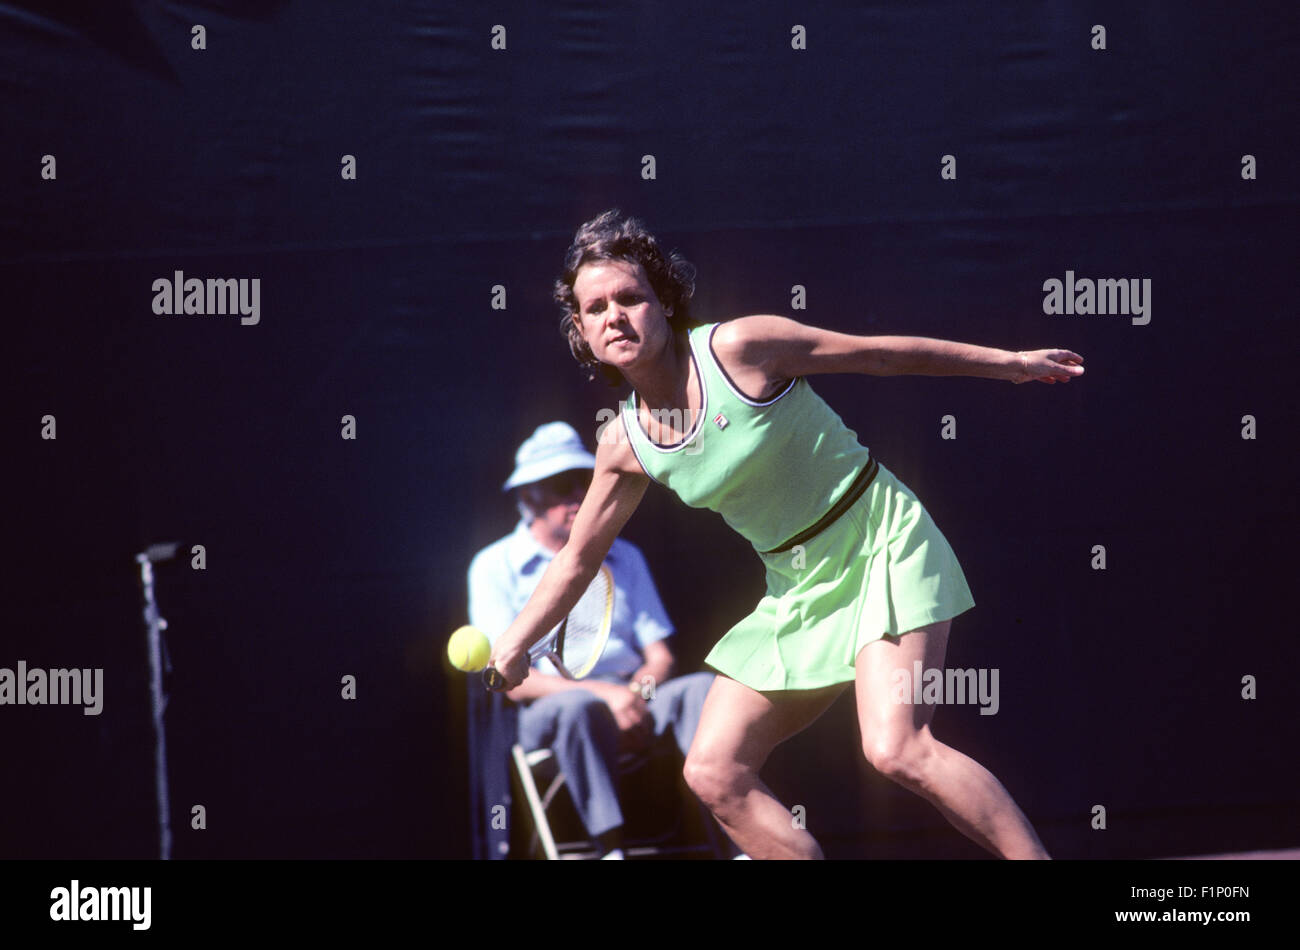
x: 630, y: 713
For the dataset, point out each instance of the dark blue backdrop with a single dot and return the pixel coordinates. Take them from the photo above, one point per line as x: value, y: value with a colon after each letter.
x: 775, y: 167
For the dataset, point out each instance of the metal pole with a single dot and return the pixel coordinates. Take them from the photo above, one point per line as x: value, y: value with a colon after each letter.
x: 156, y: 625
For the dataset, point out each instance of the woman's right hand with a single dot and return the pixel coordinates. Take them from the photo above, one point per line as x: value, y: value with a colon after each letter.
x: 512, y: 664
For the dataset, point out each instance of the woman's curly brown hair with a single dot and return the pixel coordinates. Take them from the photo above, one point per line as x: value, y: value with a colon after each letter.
x: 614, y: 237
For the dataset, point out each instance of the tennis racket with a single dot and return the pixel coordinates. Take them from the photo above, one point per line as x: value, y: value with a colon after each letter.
x: 575, y: 646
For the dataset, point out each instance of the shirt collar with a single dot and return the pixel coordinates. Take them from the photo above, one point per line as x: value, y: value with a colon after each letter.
x: 525, y: 555
x: 523, y: 551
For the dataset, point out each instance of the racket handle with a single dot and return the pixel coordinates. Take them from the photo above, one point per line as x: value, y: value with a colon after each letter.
x: 493, y: 680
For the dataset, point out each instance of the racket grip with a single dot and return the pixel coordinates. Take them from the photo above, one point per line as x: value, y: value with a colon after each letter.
x: 493, y: 680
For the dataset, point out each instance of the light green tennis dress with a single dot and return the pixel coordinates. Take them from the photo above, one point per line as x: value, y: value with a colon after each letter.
x: 773, y: 469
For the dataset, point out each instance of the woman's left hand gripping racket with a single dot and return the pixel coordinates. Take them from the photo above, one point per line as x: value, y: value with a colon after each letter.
x: 578, y: 642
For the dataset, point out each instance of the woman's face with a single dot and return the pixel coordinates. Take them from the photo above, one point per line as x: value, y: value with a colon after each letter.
x: 619, y: 314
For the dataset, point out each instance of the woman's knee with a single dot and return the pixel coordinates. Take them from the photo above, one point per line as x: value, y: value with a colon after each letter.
x: 715, y: 782
x: 903, y: 756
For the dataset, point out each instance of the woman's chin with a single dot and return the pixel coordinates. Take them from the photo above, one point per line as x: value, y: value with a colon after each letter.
x: 619, y: 358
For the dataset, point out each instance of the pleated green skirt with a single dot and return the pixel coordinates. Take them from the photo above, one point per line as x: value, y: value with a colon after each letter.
x: 883, y: 568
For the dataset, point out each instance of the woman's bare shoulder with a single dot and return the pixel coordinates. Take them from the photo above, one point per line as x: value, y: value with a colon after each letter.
x: 614, y: 449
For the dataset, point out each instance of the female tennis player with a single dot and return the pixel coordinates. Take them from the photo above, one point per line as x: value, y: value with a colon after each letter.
x: 860, y: 581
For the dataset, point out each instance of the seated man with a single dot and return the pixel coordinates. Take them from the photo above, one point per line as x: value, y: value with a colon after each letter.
x: 628, y: 699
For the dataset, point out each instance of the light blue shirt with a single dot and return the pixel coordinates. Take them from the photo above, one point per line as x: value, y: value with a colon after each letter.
x: 505, y: 573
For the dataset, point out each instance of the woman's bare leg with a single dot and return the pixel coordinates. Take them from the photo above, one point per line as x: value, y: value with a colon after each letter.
x: 897, y: 741
x: 739, y: 728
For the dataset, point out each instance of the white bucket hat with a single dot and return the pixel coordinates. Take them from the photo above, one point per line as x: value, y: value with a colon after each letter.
x: 551, y: 449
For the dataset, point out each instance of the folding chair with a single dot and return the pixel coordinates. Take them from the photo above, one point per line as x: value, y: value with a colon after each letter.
x: 690, y: 831
x: 504, y: 779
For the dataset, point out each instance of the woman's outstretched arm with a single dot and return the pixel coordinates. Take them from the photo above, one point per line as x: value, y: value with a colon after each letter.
x: 781, y: 348
x: 617, y: 486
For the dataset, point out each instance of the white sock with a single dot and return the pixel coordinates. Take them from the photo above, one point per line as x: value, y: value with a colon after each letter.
x: 615, y: 854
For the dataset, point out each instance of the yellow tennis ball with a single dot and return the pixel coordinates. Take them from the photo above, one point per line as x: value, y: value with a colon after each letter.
x: 469, y: 649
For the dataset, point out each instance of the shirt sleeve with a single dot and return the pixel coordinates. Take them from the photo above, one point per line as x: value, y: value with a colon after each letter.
x: 491, y: 594
x: 649, y: 618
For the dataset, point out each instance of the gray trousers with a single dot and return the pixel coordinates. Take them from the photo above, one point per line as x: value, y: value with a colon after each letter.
x: 580, y: 730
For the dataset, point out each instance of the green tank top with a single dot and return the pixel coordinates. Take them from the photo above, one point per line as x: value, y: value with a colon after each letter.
x: 770, y: 468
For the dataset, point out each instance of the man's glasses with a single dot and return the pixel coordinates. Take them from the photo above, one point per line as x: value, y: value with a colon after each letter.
x: 564, y: 486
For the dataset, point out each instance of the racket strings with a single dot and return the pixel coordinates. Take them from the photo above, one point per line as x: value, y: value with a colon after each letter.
x: 588, y: 621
